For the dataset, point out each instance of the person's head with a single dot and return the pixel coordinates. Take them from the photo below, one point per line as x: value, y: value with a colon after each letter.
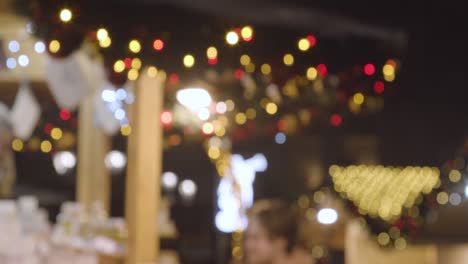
x: 271, y: 232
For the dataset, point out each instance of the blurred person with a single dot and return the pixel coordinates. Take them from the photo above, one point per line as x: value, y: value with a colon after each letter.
x: 7, y: 160
x: 271, y: 236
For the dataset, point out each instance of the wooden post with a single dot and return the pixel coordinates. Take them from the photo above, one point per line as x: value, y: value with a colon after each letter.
x: 143, y: 171
x: 93, y: 178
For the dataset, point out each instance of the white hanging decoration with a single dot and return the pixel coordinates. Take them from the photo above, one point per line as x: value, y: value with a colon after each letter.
x: 25, y: 113
x: 71, y: 79
x: 231, y: 215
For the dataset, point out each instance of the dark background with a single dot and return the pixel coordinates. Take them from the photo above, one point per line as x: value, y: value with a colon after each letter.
x: 423, y: 124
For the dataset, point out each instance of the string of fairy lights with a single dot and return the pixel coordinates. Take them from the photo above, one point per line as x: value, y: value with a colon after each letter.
x: 265, y: 106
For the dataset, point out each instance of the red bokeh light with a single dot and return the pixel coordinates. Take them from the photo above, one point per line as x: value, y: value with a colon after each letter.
x: 213, y: 61
x: 47, y: 128
x: 369, y: 69
x: 166, y: 117
x: 336, y: 120
x: 322, y: 70
x: 248, y: 39
x: 128, y: 63
x: 281, y: 125
x: 65, y: 114
x: 392, y: 62
x: 174, y: 78
x: 379, y: 87
x: 312, y: 40
x: 239, y: 74
x: 158, y: 45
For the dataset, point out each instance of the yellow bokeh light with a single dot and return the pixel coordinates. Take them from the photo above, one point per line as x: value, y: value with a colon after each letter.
x: 247, y: 32
x: 136, y: 63
x: 208, y: 128
x: 134, y: 46
x: 353, y: 107
x: 152, y: 71
x: 266, y: 69
x: 212, y: 53
x: 17, y: 145
x: 383, y: 239
x: 389, y: 78
x: 319, y: 197
x: 105, y: 43
x: 442, y: 198
x: 303, y: 44
x: 241, y: 118
x: 388, y: 69
x: 119, y: 66
x: 66, y: 15
x: 214, y: 153
x: 250, y: 68
x: 54, y: 46
x: 162, y: 75
x: 56, y: 133
x: 237, y: 252
x: 288, y: 59
x: 232, y: 38
x: 132, y: 74
x: 455, y: 176
x: 189, y: 61
x: 126, y: 130
x: 46, y: 146
x: 317, y: 252
x: 230, y: 105
x: 271, y: 108
x: 251, y: 113
x: 220, y: 132
x: 394, y: 188
x: 245, y: 60
x: 102, y: 34
x: 303, y: 201
x: 400, y: 243
x: 358, y: 98
x: 311, y: 73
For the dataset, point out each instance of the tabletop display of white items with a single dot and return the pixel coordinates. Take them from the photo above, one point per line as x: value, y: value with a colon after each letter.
x: 78, y: 237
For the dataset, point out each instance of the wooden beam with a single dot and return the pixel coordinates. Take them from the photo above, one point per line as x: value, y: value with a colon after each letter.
x: 143, y: 171
x: 93, y: 178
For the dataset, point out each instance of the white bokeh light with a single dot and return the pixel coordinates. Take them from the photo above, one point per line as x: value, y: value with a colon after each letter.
x: 194, y: 98
x: 455, y: 199
x: 280, y: 138
x: 39, y: 47
x: 204, y: 114
x: 11, y: 63
x: 115, y: 160
x: 169, y: 180
x: 14, y: 46
x: 23, y: 60
x: 187, y: 189
x: 119, y: 114
x: 327, y: 216
x: 64, y: 161
x: 121, y: 94
x: 108, y: 95
x: 466, y: 191
x: 221, y: 107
